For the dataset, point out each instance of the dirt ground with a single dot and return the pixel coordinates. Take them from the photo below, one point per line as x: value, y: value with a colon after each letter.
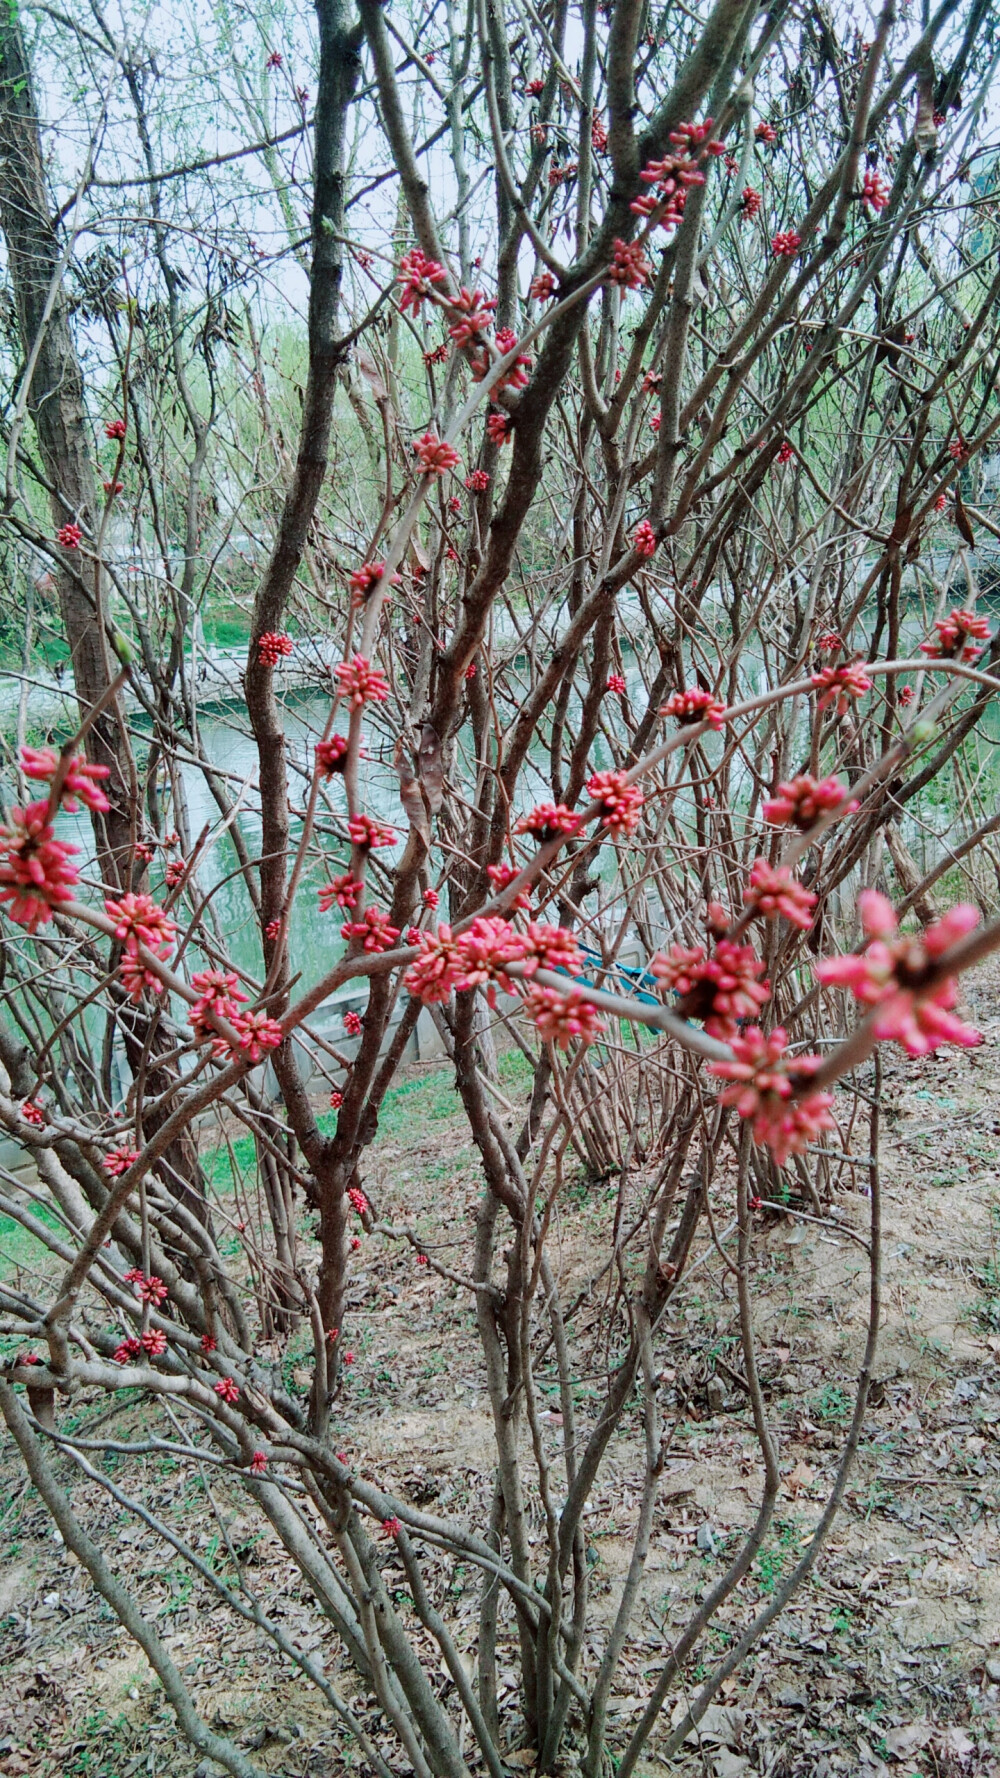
x: 888, y: 1661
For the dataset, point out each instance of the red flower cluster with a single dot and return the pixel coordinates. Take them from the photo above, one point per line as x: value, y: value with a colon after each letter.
x: 562, y: 1017
x: 365, y: 579
x: 140, y: 921
x: 70, y: 536
x: 838, y: 685
x: 153, y: 1342
x: 127, y: 1350
x: 720, y: 989
x: 353, y: 1024
x: 360, y: 683
x: 773, y: 890
x: 695, y: 705
x: 751, y: 203
x: 502, y: 874
x: 227, y: 1391
x: 434, y: 456
x: 151, y: 1290
x: 547, y: 821
x: 644, y: 538
x: 431, y: 898
x: 616, y: 683
x: 119, y: 1160
x: 218, y: 994
x: 369, y: 835
x: 331, y: 755
x: 358, y: 1200
x: 542, y: 286
x: 766, y: 132
x: 620, y: 802
x: 336, y: 1099
x: 598, y: 136
x: 175, y: 873
x: 208, y: 1342
x: 474, y: 316
x: 477, y: 482
x: 498, y: 428
x: 32, y: 1113
x: 345, y: 891
x: 272, y: 646
x: 256, y: 1033
x: 897, y: 976
x: 535, y: 88
x: 830, y: 642
x: 764, y: 1082
x: 391, y: 1527
x: 258, y: 1463
x: 82, y: 779
x: 804, y: 799
x: 786, y: 243
x: 35, y: 874
x: 484, y: 954
x: 874, y: 191
x: 630, y: 268
x: 418, y: 275
x: 373, y: 931
x: 959, y: 450
x: 558, y: 172
x: 954, y: 636
x: 786, y: 452
x: 115, y: 429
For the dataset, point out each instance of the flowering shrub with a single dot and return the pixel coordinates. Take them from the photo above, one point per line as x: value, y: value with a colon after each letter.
x: 630, y: 1032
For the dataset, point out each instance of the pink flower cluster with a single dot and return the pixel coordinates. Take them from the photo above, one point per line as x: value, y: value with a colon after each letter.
x: 360, y: 683
x: 484, y: 954
x: 786, y: 451
x: 541, y: 287
x: 477, y: 482
x: 900, y: 977
x: 353, y: 1024
x: 750, y: 204
x: 772, y: 890
x: 562, y: 1017
x: 474, y: 316
x: 616, y: 683
x: 272, y: 646
x: 874, y: 191
x: 621, y: 802
x: 365, y: 579
x: 692, y: 706
x: 418, y: 276
x: 629, y: 267
x: 82, y: 779
x: 764, y: 1089
x: 720, y: 989
x: 35, y: 873
x: 546, y: 821
x: 140, y: 921
x: 786, y: 243
x: 673, y: 176
x: 372, y: 931
x: 331, y: 755
x: 218, y: 993
x: 69, y: 536
x: 804, y: 799
x: 766, y: 133
x: 345, y: 891
x: 119, y: 1160
x: 498, y: 428
x: 644, y: 538
x: 840, y: 685
x: 434, y: 455
x: 502, y: 874
x: 368, y: 835
x: 32, y: 1113
x: 955, y: 633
